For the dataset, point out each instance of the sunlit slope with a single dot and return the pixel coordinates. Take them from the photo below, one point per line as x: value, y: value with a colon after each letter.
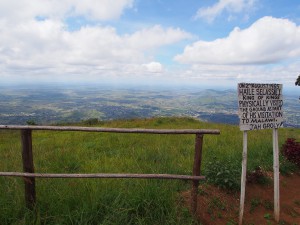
x: 117, y: 201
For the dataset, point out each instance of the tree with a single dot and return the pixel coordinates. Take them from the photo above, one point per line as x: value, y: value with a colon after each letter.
x: 31, y: 122
x: 297, y: 83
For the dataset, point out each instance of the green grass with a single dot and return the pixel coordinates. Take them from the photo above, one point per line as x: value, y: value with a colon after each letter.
x: 121, y: 201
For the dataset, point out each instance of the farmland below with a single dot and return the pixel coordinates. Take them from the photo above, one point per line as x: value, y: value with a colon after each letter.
x: 61, y: 104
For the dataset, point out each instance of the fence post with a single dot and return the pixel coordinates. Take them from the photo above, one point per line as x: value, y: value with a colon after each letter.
x: 28, y: 167
x: 196, y: 171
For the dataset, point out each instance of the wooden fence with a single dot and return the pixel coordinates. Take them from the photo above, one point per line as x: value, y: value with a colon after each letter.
x: 30, y: 175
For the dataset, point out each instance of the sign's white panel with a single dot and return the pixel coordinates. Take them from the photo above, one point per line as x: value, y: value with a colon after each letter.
x: 260, y: 106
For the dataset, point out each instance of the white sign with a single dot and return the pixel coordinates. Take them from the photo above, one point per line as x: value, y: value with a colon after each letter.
x: 260, y: 106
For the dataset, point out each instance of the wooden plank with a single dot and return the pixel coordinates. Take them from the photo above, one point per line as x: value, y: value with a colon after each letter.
x: 243, y: 177
x: 28, y: 167
x: 113, y: 130
x: 196, y: 171
x: 102, y: 175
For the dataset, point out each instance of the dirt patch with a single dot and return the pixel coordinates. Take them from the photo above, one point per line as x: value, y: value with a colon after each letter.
x: 217, y: 207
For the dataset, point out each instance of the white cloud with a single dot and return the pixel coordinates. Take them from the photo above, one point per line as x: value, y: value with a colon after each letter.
x: 47, y: 47
x: 102, y: 10
x: 230, y: 75
x: 268, y: 40
x: 230, y: 6
x: 154, y: 67
x: 35, y: 40
x: 15, y: 10
x: 44, y: 39
x: 156, y: 36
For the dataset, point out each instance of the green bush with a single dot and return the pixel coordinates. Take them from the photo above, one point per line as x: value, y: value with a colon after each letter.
x: 91, y: 121
x: 223, y: 175
x: 31, y: 122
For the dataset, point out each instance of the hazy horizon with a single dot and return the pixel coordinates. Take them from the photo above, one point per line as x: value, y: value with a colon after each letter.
x: 293, y: 91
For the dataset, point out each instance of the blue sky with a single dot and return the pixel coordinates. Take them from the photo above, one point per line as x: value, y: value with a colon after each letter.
x: 205, y: 43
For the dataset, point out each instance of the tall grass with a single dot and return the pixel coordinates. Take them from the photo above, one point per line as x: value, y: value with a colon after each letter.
x: 120, y: 201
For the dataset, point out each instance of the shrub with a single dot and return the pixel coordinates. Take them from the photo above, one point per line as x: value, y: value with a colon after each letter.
x: 91, y: 121
x: 31, y: 122
x: 258, y: 176
x: 291, y: 150
x: 224, y: 175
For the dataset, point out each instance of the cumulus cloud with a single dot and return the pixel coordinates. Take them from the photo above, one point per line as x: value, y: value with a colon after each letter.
x: 48, y: 41
x: 154, y: 67
x: 15, y: 10
x: 229, y: 75
x: 268, y: 40
x: 34, y: 39
x: 102, y: 10
x: 230, y: 6
x: 156, y: 36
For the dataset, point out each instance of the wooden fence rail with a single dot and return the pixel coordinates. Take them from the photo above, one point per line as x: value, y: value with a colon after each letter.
x: 30, y: 175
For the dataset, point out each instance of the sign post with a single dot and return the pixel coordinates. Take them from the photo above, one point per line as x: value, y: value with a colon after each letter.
x: 260, y: 107
x: 276, y: 174
x: 243, y: 177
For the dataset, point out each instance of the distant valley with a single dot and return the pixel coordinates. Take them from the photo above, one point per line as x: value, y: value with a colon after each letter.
x: 63, y: 104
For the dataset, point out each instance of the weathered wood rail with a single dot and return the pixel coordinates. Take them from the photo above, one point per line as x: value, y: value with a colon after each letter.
x: 30, y: 175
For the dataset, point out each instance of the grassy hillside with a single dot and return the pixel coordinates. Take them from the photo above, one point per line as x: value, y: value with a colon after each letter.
x: 123, y: 201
